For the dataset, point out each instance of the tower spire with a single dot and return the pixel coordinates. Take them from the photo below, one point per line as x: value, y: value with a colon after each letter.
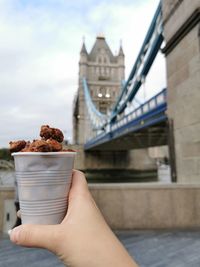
x: 121, y: 52
x: 83, y: 49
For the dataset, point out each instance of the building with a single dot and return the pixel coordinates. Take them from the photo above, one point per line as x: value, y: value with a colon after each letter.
x: 104, y: 73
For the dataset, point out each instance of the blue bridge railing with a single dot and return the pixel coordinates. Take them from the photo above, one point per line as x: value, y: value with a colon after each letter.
x: 97, y: 118
x: 149, y: 113
x: 121, y: 119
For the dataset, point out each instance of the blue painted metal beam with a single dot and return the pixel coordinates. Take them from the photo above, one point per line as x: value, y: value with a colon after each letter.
x: 120, y: 124
x: 118, y: 108
x: 89, y: 100
x: 144, y: 72
x: 147, y: 119
x: 133, y: 126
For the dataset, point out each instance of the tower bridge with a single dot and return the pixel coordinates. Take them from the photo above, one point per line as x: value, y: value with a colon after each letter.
x: 111, y: 133
x: 144, y: 127
x: 105, y: 117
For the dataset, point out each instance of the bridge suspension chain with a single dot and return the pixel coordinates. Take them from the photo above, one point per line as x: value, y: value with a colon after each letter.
x: 102, y: 123
x: 144, y: 61
x: 98, y: 119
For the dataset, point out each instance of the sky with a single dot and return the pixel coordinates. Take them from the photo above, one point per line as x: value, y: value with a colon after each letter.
x: 39, y: 54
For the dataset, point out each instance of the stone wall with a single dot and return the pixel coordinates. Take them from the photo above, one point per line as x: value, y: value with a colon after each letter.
x: 6, y: 193
x: 182, y: 35
x: 175, y: 13
x: 149, y: 206
x: 140, y: 206
x: 104, y: 73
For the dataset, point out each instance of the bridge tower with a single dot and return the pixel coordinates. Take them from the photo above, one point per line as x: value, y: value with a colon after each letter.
x: 181, y: 20
x: 104, y: 73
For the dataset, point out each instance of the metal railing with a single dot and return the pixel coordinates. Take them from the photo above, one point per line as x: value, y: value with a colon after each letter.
x: 121, y: 114
x: 147, y: 54
x: 139, y: 112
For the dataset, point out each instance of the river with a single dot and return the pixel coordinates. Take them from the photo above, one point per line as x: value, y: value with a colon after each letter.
x: 162, y: 174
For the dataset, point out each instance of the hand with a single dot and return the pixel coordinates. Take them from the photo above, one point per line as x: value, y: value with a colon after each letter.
x: 83, y: 239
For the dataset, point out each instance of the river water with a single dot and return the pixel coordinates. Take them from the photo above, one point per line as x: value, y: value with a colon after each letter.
x: 7, y: 177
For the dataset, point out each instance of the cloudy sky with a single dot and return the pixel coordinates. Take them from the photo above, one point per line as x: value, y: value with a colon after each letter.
x: 40, y: 41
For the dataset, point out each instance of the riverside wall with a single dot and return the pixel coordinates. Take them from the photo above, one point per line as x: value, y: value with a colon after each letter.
x: 138, y: 206
x: 7, y: 215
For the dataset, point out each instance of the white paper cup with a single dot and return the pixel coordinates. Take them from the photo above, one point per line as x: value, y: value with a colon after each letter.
x: 44, y: 180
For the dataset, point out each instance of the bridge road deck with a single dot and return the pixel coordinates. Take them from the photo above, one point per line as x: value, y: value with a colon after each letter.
x: 150, y: 249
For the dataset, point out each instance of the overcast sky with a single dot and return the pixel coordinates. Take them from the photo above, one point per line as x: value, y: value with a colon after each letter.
x: 40, y: 42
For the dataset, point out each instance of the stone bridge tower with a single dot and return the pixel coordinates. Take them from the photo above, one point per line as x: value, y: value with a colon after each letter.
x: 181, y: 19
x: 104, y: 73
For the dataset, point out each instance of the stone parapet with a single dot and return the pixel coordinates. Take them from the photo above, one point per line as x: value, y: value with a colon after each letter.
x: 149, y: 206
x: 139, y: 206
x: 6, y: 193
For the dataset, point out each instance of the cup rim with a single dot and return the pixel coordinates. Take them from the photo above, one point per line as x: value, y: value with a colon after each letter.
x: 44, y: 153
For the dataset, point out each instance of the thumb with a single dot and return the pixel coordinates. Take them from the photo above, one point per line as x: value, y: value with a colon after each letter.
x: 40, y: 236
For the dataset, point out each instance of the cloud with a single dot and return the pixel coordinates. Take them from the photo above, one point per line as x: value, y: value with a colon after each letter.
x: 129, y: 22
x: 39, y: 54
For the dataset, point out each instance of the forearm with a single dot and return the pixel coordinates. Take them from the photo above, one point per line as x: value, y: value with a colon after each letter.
x: 83, y: 239
x: 112, y: 253
x: 102, y: 249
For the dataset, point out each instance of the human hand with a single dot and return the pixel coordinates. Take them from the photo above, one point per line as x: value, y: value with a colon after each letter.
x: 82, y: 239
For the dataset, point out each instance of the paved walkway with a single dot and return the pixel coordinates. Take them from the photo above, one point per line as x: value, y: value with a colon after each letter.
x: 150, y: 249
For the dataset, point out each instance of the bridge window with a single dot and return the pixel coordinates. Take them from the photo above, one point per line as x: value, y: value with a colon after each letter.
x: 102, y: 91
x: 97, y: 70
x: 100, y: 95
x: 107, y: 95
x: 103, y: 107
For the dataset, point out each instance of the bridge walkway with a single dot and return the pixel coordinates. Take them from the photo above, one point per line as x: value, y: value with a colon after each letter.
x: 149, y: 248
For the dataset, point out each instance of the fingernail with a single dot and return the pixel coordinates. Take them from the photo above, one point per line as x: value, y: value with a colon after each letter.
x: 9, y: 232
x: 14, y: 234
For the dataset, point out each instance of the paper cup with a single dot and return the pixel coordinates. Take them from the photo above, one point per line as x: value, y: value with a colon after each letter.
x: 44, y: 180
